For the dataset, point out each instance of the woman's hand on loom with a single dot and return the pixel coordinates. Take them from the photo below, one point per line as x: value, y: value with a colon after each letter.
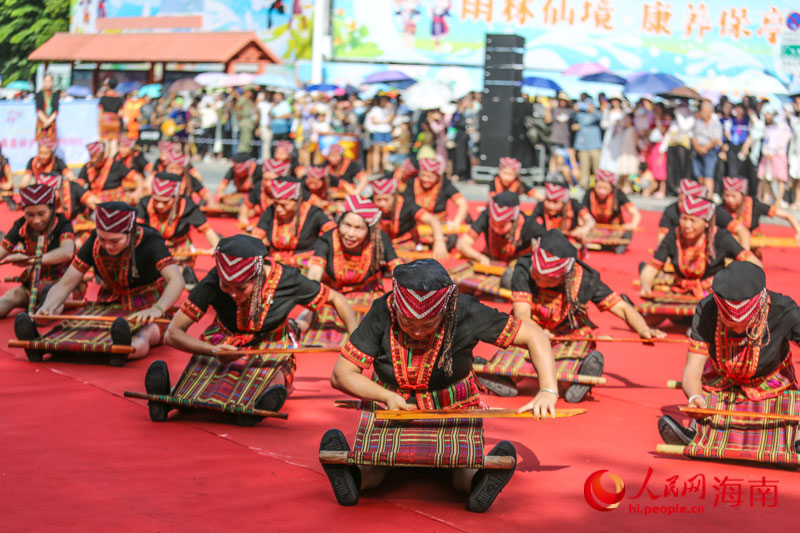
x: 146, y: 316
x: 397, y: 402
x: 698, y: 402
x: 219, y: 351
x: 542, y: 405
x: 439, y: 251
x: 19, y: 259
x: 651, y: 333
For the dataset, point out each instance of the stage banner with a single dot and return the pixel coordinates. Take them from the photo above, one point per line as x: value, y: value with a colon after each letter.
x: 76, y: 125
x: 685, y: 38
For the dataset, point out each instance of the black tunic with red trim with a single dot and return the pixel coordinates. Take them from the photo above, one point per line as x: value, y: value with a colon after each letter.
x: 768, y: 370
x: 574, y: 213
x: 404, y: 218
x: 112, y: 175
x: 433, y: 200
x: 247, y: 182
x: 672, y: 218
x: 499, y: 247
x: 347, y: 170
x: 135, y: 160
x: 313, y: 222
x: 18, y: 234
x: 604, y: 211
x: 71, y: 199
x: 188, y: 215
x: 54, y: 165
x: 285, y: 287
x: 549, y: 305
x: 516, y: 186
x: 751, y: 212
x: 152, y: 256
x: 370, y: 344
x: 351, y: 272
x: 694, y: 263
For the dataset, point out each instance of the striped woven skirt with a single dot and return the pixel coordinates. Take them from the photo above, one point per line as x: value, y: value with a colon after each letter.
x: 327, y: 329
x: 609, y: 238
x: 749, y: 439
x: 466, y: 278
x: 515, y: 362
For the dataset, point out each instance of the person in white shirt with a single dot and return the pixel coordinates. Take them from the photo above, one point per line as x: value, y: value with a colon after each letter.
x: 264, y: 105
x: 378, y: 124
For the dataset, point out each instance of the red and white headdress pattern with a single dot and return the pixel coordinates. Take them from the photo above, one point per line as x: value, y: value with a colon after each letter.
x: 735, y: 185
x: 336, y: 149
x: 177, y: 158
x: 359, y: 205
x: 166, y: 188
x: 383, y: 186
x: 165, y: 146
x: 550, y: 265
x: 740, y: 311
x: 276, y: 166
x: 421, y: 304
x: 241, y: 168
x: 315, y: 173
x: 501, y: 213
x: 698, y: 207
x: 37, y: 195
x: 556, y: 192
x: 95, y: 148
x: 51, y: 179
x: 606, y: 176
x: 126, y: 141
x: 432, y: 165
x: 50, y: 144
x: 113, y: 220
x: 234, y: 269
x: 510, y: 162
x: 285, y: 190
x: 285, y: 145
x: 408, y: 168
x: 689, y: 187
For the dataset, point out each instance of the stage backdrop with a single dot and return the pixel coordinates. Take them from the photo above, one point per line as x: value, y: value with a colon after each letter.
x: 687, y: 38
x: 76, y: 122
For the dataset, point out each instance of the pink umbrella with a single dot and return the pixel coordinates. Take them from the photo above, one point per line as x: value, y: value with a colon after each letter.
x: 585, y: 69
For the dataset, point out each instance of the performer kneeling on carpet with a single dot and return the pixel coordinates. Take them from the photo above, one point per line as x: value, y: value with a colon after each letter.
x: 508, y: 231
x: 40, y: 218
x: 432, y: 191
x: 740, y: 360
x: 748, y: 210
x: 670, y: 219
x: 697, y: 248
x: 419, y: 340
x: 244, y: 174
x: 109, y: 179
x: 606, y: 201
x: 252, y: 297
x: 71, y: 199
x: 401, y: 215
x: 507, y: 179
x: 173, y: 215
x: 348, y: 173
x: 134, y: 268
x: 278, y: 168
x: 44, y: 161
x: 552, y: 288
x: 559, y: 211
x: 191, y: 181
x: 290, y: 226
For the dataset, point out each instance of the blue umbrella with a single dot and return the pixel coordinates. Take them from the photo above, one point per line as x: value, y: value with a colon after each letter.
x: 542, y: 83
x: 391, y: 77
x: 322, y: 87
x: 79, y: 91
x: 153, y: 90
x: 652, y: 83
x: 20, y: 85
x: 128, y: 86
x: 604, y: 77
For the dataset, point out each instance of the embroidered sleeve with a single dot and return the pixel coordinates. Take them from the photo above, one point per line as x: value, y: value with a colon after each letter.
x: 81, y: 265
x: 192, y: 311
x: 419, y: 214
x: 317, y: 261
x: 66, y: 236
x: 744, y: 255
x: 457, y: 197
x: 522, y: 297
x: 259, y: 233
x: 327, y: 226
x: 393, y: 263
x: 772, y: 209
x: 609, y: 301
x: 733, y: 225
x: 628, y: 206
x: 169, y: 260
x: 509, y: 332
x: 698, y: 347
x: 662, y: 231
x: 473, y: 234
x: 321, y: 298
x: 356, y: 356
x: 7, y: 245
x: 204, y: 227
x: 655, y: 263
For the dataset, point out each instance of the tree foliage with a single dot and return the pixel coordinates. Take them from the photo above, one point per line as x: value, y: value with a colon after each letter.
x: 27, y: 24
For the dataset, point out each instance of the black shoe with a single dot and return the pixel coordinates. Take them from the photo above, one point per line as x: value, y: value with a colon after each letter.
x: 24, y: 328
x: 673, y: 433
x: 620, y: 249
x: 500, y: 385
x: 42, y: 296
x: 345, y: 479
x: 189, y: 277
x: 488, y: 482
x: 591, y: 366
x: 272, y: 399
x: 121, y: 332
x: 156, y: 382
x: 451, y: 241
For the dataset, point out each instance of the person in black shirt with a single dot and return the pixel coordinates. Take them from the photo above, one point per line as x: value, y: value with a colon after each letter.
x: 748, y: 210
x: 508, y: 231
x: 40, y: 218
x: 43, y: 162
x: 606, y: 201
x: 130, y: 156
x: 739, y: 358
x: 71, y: 199
x: 109, y: 119
x: 290, y: 226
x: 400, y: 216
x: 507, y: 179
x: 344, y: 169
x: 108, y: 179
x: 559, y: 211
x: 252, y: 298
x: 432, y: 191
x: 245, y: 174
x: 134, y: 268
x: 418, y: 339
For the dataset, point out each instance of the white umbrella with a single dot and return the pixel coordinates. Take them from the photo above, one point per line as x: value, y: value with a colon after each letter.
x: 427, y: 95
x: 721, y: 84
x: 214, y: 79
x: 758, y: 82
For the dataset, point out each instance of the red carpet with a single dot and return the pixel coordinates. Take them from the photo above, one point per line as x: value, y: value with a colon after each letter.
x: 79, y: 456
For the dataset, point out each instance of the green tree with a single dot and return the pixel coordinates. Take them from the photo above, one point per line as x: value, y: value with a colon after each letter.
x: 27, y: 24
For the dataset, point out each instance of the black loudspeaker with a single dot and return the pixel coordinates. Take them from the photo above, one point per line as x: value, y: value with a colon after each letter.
x: 501, y: 40
x: 501, y: 89
x: 503, y: 58
x: 503, y: 74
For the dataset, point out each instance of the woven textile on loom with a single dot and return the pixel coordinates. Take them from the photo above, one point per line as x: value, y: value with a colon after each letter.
x: 327, y: 329
x: 609, y: 237
x: 516, y: 361
x: 750, y: 439
x: 444, y: 443
x: 465, y: 277
x: 82, y: 336
x: 208, y: 382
